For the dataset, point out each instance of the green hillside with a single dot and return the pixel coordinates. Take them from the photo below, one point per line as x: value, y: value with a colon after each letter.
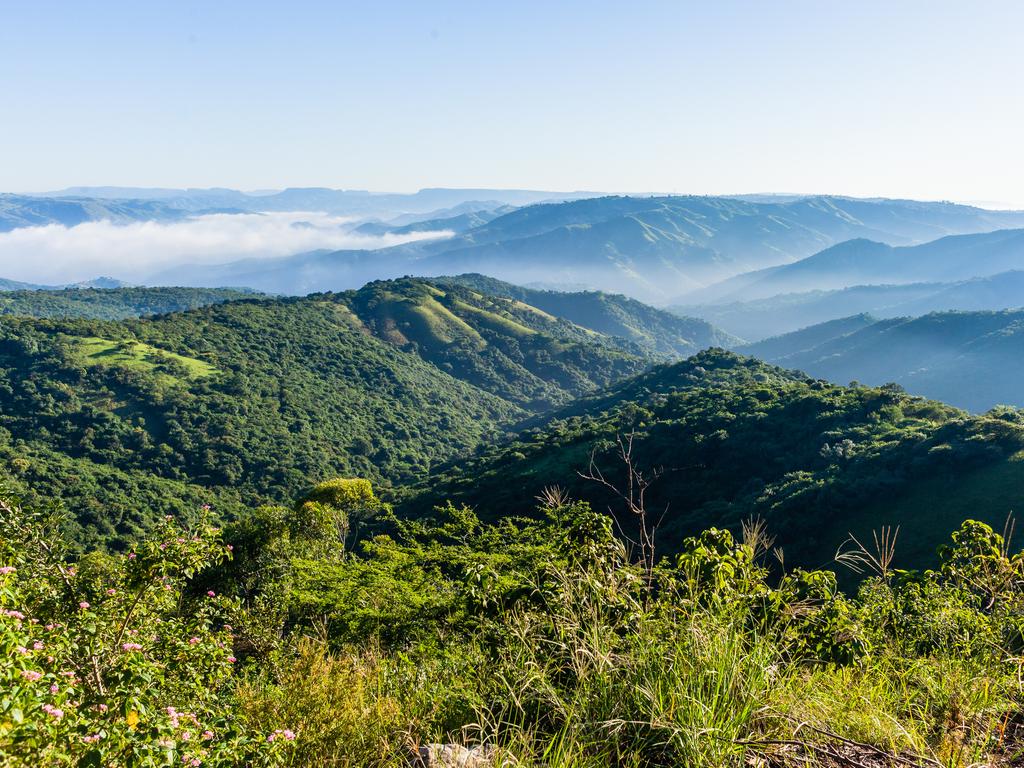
x: 253, y: 399
x: 737, y: 439
x: 656, y: 331
x: 261, y: 396
x: 509, y: 348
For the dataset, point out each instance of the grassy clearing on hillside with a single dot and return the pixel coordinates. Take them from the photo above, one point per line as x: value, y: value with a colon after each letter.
x: 144, y: 357
x: 495, y: 321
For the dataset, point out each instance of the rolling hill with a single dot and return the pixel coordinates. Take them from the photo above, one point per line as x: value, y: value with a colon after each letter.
x: 656, y: 331
x: 972, y: 359
x: 737, y: 439
x: 247, y: 400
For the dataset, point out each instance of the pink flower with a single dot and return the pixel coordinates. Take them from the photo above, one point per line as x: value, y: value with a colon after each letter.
x: 38, y: 646
x: 195, y: 762
x: 207, y: 735
x: 232, y: 659
x: 15, y: 615
x: 211, y: 593
x: 53, y: 711
x: 231, y: 548
x: 227, y: 627
x: 131, y: 555
x: 83, y: 605
x: 31, y: 675
x: 102, y: 707
x: 50, y: 627
x: 111, y: 592
x: 288, y: 734
x: 22, y: 650
x: 131, y: 647
x: 193, y: 640
x: 92, y: 739
x: 54, y: 688
x: 7, y: 570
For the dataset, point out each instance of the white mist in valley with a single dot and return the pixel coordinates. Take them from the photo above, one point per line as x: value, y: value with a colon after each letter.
x: 57, y: 254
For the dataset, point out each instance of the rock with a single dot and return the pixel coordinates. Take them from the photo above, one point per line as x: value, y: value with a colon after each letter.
x: 453, y: 756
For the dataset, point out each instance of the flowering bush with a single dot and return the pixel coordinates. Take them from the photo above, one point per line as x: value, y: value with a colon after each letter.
x: 111, y: 660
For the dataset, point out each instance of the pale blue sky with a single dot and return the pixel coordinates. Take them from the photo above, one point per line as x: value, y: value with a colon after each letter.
x: 917, y: 99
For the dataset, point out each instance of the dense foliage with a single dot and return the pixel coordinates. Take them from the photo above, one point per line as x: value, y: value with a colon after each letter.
x: 656, y: 331
x: 258, y: 396
x: 734, y: 438
x: 111, y: 303
x: 288, y: 639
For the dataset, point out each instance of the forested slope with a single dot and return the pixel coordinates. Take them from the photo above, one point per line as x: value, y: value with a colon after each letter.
x: 736, y: 439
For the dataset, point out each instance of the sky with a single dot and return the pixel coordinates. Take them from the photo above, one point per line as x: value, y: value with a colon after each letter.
x: 900, y: 99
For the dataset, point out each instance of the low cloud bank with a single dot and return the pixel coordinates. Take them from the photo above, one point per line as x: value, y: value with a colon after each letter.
x: 57, y: 254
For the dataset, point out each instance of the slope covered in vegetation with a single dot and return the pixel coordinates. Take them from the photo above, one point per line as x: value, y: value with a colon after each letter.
x: 656, y: 331
x: 273, y: 643
x: 250, y: 399
x: 732, y: 439
x: 111, y: 303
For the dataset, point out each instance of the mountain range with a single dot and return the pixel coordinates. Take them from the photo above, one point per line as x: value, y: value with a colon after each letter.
x: 760, y: 318
x: 971, y: 359
x: 651, y: 248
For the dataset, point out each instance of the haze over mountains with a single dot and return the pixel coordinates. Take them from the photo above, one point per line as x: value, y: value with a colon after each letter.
x: 732, y: 270
x: 652, y: 248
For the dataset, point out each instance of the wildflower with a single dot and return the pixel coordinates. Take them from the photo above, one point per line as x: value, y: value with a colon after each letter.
x: 232, y: 659
x: 230, y: 548
x: 50, y: 627
x: 22, y: 650
x: 211, y: 593
x: 15, y: 615
x: 7, y: 570
x: 131, y: 647
x: 131, y: 555
x: 83, y: 605
x: 227, y: 627
x: 111, y: 592
x: 288, y: 734
x: 54, y: 688
x: 102, y: 707
x: 53, y: 711
x: 92, y: 739
x: 207, y: 735
x: 193, y: 640
x: 205, y: 507
x: 37, y: 646
x: 31, y: 675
